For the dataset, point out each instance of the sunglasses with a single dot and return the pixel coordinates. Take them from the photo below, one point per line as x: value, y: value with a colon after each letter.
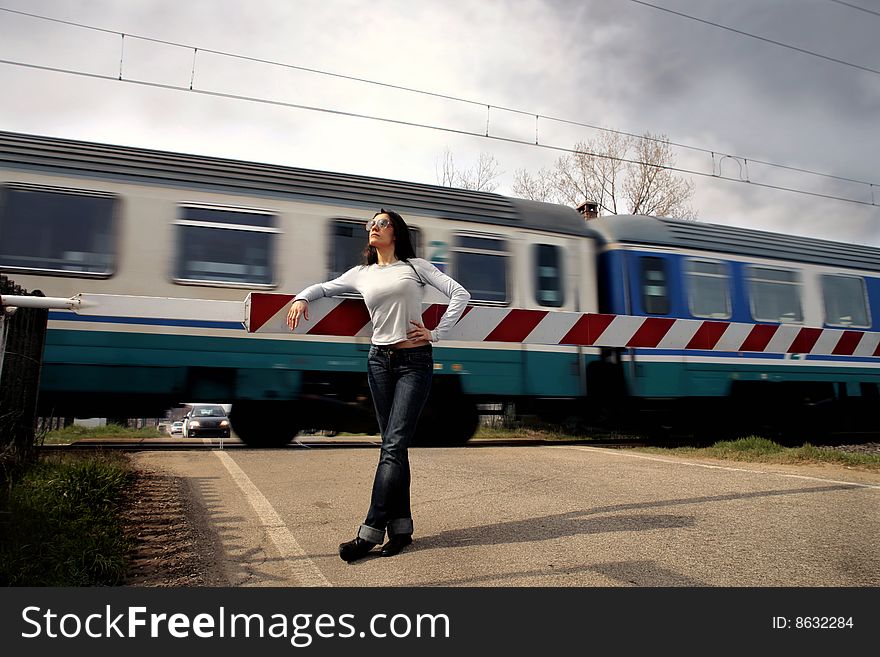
x: 382, y: 222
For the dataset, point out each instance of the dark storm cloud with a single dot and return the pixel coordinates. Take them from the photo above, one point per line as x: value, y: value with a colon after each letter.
x: 670, y: 57
x: 652, y: 64
x: 707, y: 87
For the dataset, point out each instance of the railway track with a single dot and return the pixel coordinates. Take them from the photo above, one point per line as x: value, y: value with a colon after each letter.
x: 307, y: 442
x: 863, y: 442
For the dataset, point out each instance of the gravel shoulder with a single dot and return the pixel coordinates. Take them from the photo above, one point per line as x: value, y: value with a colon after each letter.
x: 171, y: 545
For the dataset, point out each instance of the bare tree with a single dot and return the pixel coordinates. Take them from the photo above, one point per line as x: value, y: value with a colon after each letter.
x: 619, y: 173
x: 538, y: 187
x: 593, y: 172
x: 481, y: 177
x: 650, y: 188
x: 444, y: 167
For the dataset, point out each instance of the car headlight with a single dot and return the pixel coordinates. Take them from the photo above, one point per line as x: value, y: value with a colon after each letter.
x: 194, y: 424
x: 224, y: 423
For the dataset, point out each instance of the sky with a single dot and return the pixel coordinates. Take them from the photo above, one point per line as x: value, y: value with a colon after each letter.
x: 614, y: 64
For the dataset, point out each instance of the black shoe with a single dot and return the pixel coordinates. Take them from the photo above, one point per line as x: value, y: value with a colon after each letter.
x: 395, y: 544
x: 355, y: 549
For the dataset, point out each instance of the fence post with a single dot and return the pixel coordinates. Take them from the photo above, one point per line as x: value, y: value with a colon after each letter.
x: 23, y: 339
x: 4, y: 320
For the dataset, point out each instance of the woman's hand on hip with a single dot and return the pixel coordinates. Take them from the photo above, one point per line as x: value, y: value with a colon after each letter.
x: 299, y: 309
x: 418, y: 332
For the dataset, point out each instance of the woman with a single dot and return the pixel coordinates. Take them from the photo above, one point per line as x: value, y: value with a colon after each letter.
x: 399, y: 366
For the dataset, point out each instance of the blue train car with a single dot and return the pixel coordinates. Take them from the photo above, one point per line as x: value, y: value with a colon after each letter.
x: 655, y: 267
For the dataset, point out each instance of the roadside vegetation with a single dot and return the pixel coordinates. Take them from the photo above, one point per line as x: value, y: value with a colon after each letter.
x: 60, y: 523
x: 76, y: 432
x: 523, y: 433
x: 756, y: 449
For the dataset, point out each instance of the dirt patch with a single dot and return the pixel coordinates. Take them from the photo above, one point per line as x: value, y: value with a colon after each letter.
x: 168, y: 546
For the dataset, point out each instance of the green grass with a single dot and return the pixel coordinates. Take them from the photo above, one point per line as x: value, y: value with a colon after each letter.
x: 544, y: 432
x: 76, y: 432
x: 60, y: 525
x: 753, y: 448
x: 761, y: 450
x: 495, y: 433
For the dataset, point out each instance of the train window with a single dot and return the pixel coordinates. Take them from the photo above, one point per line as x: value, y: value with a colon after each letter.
x: 845, y: 301
x: 655, y: 292
x: 708, y: 289
x: 775, y: 295
x: 56, y: 231
x: 347, y: 248
x: 225, y: 246
x: 548, y: 275
x: 481, y: 267
x: 348, y: 241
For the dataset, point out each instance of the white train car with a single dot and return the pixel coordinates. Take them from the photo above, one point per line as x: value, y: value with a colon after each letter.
x: 81, y: 217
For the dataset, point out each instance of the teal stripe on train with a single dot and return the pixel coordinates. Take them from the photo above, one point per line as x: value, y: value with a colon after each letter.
x: 139, y: 363
x: 676, y: 379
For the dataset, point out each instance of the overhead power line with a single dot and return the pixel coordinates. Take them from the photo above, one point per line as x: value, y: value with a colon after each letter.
x: 852, y: 6
x: 423, y: 92
x: 428, y: 126
x: 759, y: 38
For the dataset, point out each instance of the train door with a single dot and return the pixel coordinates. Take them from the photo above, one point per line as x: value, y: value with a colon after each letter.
x: 552, y: 272
x: 711, y: 292
x: 654, y: 286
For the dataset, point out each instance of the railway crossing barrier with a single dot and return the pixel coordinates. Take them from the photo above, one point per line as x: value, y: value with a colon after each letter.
x: 266, y: 313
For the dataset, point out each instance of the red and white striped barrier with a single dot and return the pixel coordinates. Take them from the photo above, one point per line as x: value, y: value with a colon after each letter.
x: 267, y: 313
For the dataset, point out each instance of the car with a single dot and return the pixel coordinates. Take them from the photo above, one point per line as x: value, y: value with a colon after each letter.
x: 177, y: 427
x: 206, y: 420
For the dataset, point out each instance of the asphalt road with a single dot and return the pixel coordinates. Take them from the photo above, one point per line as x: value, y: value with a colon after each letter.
x: 535, y: 516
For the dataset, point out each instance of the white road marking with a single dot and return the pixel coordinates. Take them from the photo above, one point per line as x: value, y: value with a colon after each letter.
x: 710, y: 467
x: 303, y: 568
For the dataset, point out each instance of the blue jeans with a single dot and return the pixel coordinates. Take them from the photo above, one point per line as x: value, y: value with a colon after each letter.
x: 400, y: 380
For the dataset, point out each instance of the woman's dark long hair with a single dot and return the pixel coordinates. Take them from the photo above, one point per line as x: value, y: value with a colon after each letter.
x: 403, y: 248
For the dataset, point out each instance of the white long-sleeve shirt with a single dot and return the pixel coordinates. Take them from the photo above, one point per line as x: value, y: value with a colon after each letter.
x: 394, y: 296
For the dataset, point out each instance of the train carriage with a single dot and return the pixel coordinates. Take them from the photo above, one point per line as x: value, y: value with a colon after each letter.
x: 792, y: 323
x: 80, y: 217
x: 655, y: 267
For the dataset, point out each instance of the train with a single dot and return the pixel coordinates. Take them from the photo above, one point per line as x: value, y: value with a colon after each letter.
x: 81, y: 217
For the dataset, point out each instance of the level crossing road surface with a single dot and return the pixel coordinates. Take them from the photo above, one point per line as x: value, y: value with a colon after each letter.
x: 566, y: 515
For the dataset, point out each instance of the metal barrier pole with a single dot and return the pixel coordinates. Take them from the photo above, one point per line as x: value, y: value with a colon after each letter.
x: 45, y: 303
